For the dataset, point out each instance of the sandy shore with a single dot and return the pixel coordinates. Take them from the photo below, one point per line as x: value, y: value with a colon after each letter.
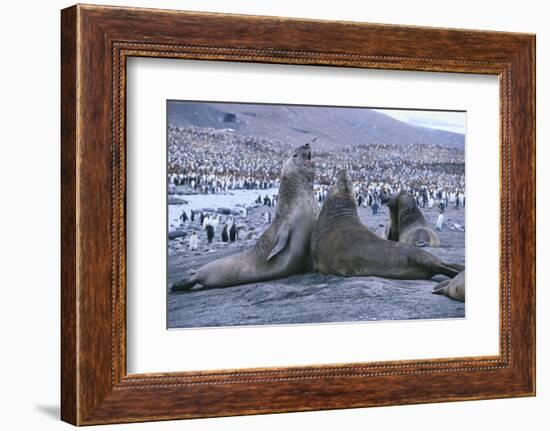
x: 307, y: 298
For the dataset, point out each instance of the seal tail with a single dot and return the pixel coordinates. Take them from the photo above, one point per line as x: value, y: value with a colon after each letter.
x: 450, y: 269
x: 440, y: 288
x: 183, y: 285
x: 421, y: 239
x: 456, y: 266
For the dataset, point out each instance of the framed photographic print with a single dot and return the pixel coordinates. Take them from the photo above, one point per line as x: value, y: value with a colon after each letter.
x: 265, y: 214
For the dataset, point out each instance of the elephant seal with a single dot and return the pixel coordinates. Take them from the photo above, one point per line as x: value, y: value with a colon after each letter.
x: 342, y: 245
x: 283, y: 249
x: 454, y: 288
x: 407, y: 224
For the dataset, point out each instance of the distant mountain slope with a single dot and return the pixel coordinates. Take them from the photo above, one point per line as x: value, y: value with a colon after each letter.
x: 297, y: 124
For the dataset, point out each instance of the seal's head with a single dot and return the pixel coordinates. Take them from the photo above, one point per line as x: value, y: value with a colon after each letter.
x: 396, y: 201
x: 405, y: 201
x: 387, y: 199
x: 299, y: 164
x: 343, y: 187
x: 405, y: 209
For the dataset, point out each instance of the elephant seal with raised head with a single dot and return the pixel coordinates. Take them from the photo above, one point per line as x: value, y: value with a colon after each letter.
x: 342, y: 245
x: 454, y: 288
x: 407, y: 224
x: 283, y: 249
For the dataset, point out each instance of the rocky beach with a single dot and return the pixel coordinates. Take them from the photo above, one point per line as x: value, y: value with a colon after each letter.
x: 300, y: 299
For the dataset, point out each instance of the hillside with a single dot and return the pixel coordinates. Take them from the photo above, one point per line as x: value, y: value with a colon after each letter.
x: 297, y: 124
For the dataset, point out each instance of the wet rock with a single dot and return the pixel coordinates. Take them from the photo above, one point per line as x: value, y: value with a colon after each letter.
x: 176, y: 201
x: 173, y: 234
x: 310, y: 298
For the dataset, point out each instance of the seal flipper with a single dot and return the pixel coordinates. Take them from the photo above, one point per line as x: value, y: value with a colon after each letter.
x: 421, y: 238
x: 183, y: 285
x: 449, y: 269
x: 440, y: 288
x: 456, y: 266
x: 281, y: 240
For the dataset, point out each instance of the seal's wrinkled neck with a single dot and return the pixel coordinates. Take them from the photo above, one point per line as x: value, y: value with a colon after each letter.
x: 295, y: 185
x: 297, y: 175
x: 341, y: 202
x: 340, y: 206
x: 296, y: 188
x: 393, y: 234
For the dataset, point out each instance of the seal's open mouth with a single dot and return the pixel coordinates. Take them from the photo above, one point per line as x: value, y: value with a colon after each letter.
x: 305, y: 153
x: 307, y: 158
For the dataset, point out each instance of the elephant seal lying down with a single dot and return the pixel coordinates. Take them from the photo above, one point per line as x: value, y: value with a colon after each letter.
x: 283, y: 249
x: 454, y: 289
x: 342, y: 245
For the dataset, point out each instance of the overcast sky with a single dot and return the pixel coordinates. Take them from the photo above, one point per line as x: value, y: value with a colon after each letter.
x: 444, y: 120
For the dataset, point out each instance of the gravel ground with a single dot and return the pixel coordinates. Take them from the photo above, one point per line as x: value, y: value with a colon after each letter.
x: 308, y: 298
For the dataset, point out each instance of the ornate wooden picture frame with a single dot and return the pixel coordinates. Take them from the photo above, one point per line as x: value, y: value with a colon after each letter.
x: 96, y: 41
